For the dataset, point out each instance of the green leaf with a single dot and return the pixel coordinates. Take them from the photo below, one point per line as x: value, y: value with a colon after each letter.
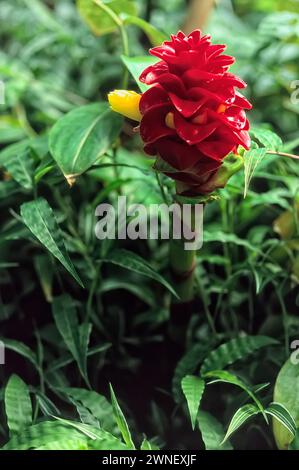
x: 46, y: 405
x: 75, y: 338
x: 193, y: 388
x: 212, y: 432
x: 81, y: 137
x: 97, y: 405
x: 121, y: 420
x: 42, y: 434
x: 96, y: 14
x: 132, y: 262
x: 280, y: 412
x: 295, y: 442
x: 155, y: 36
x: 18, y: 406
x: 234, y: 350
x: 239, y: 418
x: 44, y: 268
x: 227, y: 377
x: 22, y: 349
x: 286, y: 394
x: 266, y: 138
x: 252, y: 158
x: 147, y: 445
x: 16, y: 159
x: 222, y: 237
x: 141, y: 291
x: 136, y: 65
x: 40, y: 219
x: 187, y: 365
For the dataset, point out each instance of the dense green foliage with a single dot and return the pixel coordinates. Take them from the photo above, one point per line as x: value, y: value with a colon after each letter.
x: 78, y: 314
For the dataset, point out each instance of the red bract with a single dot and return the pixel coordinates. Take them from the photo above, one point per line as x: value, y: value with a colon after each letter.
x: 192, y: 115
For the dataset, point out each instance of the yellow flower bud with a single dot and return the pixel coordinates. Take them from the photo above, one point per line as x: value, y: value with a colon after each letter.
x: 126, y: 103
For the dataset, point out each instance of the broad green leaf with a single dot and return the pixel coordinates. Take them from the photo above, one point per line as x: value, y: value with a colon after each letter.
x: 286, y: 394
x: 81, y: 137
x: 252, y: 159
x: 75, y: 337
x: 193, y: 388
x: 121, y: 420
x: 281, y: 414
x: 233, y: 350
x: 98, y: 17
x: 136, y: 65
x: 16, y: 159
x: 65, y: 444
x: 155, y: 36
x: 266, y: 138
x: 212, y: 432
x: 97, y: 405
x: 129, y: 260
x: 239, y: 418
x: 42, y: 434
x: 41, y: 221
x: 227, y: 377
x: 18, y: 406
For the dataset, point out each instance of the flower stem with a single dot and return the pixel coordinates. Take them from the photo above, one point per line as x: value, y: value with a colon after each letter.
x: 182, y: 264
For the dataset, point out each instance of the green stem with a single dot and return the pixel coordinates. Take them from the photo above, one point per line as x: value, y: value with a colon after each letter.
x: 123, y: 34
x: 182, y: 265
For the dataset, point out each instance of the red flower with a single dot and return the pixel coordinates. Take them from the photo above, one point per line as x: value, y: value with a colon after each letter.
x: 192, y: 115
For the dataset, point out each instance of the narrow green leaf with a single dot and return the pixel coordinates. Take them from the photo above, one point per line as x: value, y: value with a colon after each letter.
x: 193, y: 388
x: 239, y: 418
x: 22, y: 349
x: 129, y: 260
x: 234, y: 350
x: 44, y: 268
x: 75, y: 338
x: 18, y: 406
x: 227, y: 377
x: 121, y: 420
x: 41, y: 221
x: 186, y: 366
x: 147, y: 445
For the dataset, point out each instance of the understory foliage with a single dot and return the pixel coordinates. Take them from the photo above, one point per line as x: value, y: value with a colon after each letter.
x: 89, y: 360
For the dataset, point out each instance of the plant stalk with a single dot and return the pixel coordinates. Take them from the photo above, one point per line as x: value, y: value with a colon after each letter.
x: 183, y: 263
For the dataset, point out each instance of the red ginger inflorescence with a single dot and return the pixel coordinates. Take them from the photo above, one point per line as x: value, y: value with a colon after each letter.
x: 192, y: 114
